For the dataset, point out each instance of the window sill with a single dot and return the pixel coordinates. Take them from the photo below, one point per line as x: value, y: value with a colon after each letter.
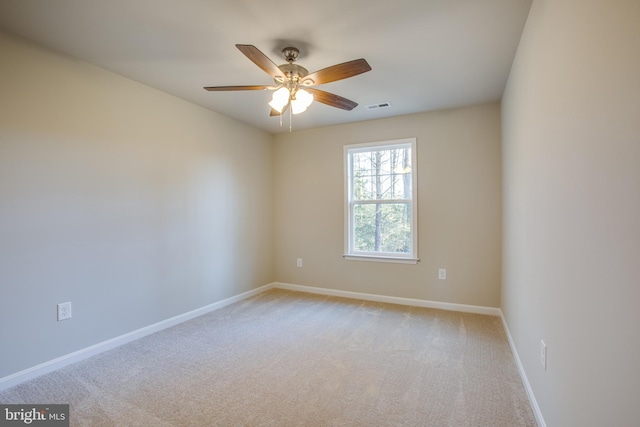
x: 371, y: 258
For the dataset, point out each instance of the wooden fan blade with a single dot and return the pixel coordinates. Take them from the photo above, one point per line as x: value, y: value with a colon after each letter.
x: 332, y: 99
x: 223, y: 88
x: 275, y: 112
x: 337, y: 72
x: 261, y: 60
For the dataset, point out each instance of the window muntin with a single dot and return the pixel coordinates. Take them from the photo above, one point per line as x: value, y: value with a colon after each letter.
x: 380, y: 200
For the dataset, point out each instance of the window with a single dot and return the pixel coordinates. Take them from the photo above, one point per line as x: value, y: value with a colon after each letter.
x: 381, y: 212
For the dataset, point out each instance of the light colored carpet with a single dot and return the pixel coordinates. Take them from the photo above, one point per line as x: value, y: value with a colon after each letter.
x: 287, y: 358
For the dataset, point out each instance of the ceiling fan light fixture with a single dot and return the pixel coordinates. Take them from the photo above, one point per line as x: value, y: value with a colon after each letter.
x: 280, y: 99
x: 301, y: 102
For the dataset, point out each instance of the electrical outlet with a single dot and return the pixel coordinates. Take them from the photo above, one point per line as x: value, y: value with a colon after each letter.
x: 299, y: 262
x: 442, y: 274
x: 64, y: 311
x: 543, y: 354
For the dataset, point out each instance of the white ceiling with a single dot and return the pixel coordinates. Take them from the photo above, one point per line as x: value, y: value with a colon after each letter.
x: 425, y: 54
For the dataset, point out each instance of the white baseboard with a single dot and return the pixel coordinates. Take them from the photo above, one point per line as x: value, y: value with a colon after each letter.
x: 523, y: 375
x: 85, y: 353
x: 492, y: 311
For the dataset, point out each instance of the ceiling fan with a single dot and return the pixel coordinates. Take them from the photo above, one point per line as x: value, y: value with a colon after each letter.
x: 294, y: 83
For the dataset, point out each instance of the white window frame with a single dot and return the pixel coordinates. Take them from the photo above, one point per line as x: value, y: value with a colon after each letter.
x: 350, y: 253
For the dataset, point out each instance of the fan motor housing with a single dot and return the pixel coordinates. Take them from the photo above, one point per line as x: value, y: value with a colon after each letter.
x: 293, y: 71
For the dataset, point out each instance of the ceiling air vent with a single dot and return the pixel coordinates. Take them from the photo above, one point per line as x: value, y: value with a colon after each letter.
x: 378, y: 106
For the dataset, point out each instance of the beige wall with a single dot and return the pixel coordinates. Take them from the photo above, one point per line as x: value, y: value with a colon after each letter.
x: 459, y: 202
x: 571, y: 129
x: 132, y: 204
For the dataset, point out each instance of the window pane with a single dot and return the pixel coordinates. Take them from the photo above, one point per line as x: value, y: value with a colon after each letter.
x: 382, y: 227
x: 382, y: 174
x: 380, y: 203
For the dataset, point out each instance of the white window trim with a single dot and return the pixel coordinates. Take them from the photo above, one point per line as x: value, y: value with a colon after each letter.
x: 392, y: 257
